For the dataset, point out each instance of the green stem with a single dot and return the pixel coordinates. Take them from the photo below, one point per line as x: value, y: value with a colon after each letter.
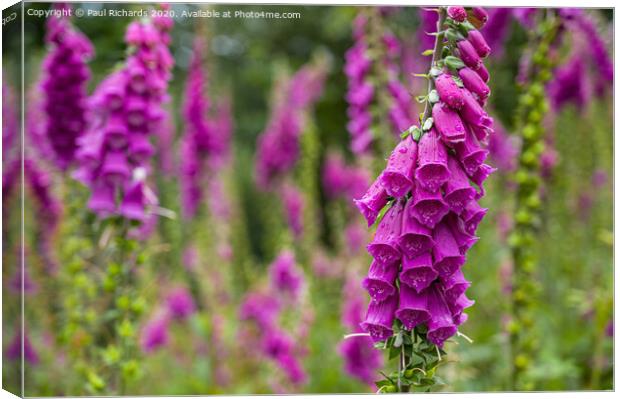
x: 428, y: 107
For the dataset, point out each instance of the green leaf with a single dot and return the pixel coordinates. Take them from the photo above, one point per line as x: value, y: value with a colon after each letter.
x: 382, y: 383
x: 380, y: 217
x: 428, y: 52
x: 416, y: 360
x: 394, y: 352
x: 453, y: 36
x: 453, y: 62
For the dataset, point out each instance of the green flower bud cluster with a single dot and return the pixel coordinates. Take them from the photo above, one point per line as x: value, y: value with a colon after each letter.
x: 76, y: 327
x: 533, y: 105
x: 100, y: 307
x: 124, y: 309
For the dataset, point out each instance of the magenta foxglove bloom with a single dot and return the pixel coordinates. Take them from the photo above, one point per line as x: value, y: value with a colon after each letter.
x: 441, y: 325
x: 401, y: 113
x: 470, y: 153
x: 381, y: 280
x: 180, y: 303
x: 222, y: 130
x: 384, y: 246
x: 413, y: 307
x: 398, y: 174
x: 360, y: 91
x: 48, y: 209
x: 19, y: 278
x: 361, y: 359
x: 421, y: 243
x: 457, y: 190
x: 261, y: 308
x: 524, y: 15
x: 293, y: 202
x: 455, y: 286
x: 432, y: 171
x: 418, y: 272
x: 64, y: 86
x: 285, y: 275
x: 372, y: 202
x: 601, y: 60
x: 355, y: 236
x: 341, y: 180
x: 570, y: 84
x: 380, y: 317
x: 281, y: 348
x: 427, y: 207
x: 14, y: 349
x: 198, y: 138
x: 154, y: 334
x: 446, y: 252
x: 415, y: 238
x: 278, y: 146
x: 448, y: 124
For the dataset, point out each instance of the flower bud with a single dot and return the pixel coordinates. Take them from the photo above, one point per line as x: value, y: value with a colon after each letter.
x: 468, y: 54
x: 477, y: 40
x: 449, y: 92
x: 474, y: 83
x: 480, y: 14
x: 449, y: 124
x: 457, y: 13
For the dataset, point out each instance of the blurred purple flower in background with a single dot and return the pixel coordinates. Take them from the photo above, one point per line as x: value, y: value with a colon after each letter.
x: 180, y: 303
x: 127, y: 109
x: 285, y: 276
x: 64, y: 86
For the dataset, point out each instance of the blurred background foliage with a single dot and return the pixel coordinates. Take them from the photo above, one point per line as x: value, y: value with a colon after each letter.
x: 246, y: 57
